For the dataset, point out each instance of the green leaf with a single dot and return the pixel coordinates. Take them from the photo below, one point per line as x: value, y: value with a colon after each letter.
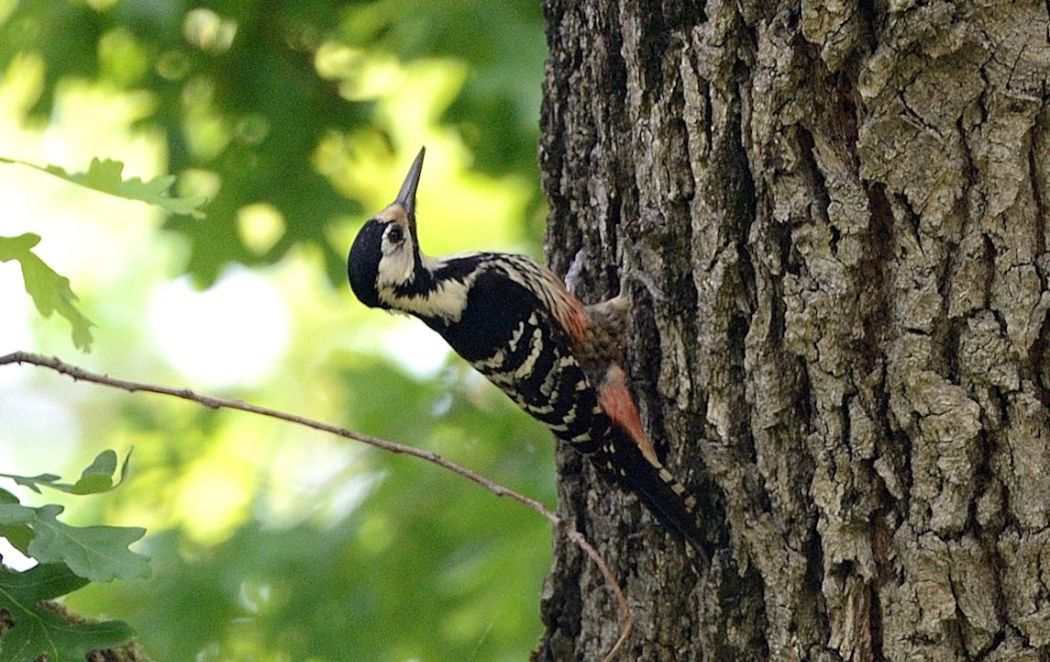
x: 95, y: 479
x: 38, y: 630
x: 13, y: 513
x: 98, y: 553
x: 34, y: 482
x: 49, y: 290
x: 18, y: 535
x: 98, y: 476
x: 106, y: 176
x: 14, y: 523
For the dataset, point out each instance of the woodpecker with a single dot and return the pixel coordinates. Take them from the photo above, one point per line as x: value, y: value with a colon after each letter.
x: 516, y: 323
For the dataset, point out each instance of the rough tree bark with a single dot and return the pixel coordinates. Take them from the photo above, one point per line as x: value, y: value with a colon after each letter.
x: 832, y: 218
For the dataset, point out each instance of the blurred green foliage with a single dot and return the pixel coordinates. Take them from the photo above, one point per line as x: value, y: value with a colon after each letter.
x: 427, y: 567
x: 235, y: 90
x: 271, y: 110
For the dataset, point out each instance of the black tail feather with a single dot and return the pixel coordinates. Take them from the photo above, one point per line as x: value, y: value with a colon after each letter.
x: 665, y: 497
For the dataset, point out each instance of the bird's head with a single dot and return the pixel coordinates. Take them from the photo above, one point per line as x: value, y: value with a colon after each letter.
x: 385, y: 255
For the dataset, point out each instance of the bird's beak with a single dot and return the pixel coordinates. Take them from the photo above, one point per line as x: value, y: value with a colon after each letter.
x: 407, y: 196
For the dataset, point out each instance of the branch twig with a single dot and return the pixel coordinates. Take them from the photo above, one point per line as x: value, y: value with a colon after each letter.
x: 80, y: 374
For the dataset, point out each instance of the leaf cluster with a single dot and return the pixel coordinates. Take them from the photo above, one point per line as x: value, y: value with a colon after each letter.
x: 68, y: 557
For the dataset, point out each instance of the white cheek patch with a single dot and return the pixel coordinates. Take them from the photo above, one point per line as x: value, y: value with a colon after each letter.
x: 397, y: 265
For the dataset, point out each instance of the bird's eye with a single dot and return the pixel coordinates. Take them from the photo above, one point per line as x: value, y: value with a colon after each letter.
x: 395, y: 234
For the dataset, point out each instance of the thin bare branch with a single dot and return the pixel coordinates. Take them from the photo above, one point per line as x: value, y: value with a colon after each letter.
x: 80, y: 374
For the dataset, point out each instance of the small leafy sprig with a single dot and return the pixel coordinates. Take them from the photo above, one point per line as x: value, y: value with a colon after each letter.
x: 69, y: 557
x: 50, y: 291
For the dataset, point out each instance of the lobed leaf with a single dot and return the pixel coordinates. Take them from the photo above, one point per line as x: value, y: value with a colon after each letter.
x: 95, y: 479
x: 49, y: 290
x: 106, y: 176
x: 37, y: 630
x: 97, y: 553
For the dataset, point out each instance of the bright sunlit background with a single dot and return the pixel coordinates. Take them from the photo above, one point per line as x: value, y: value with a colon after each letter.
x: 270, y: 542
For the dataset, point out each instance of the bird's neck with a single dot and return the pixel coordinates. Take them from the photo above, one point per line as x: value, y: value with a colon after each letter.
x: 437, y: 291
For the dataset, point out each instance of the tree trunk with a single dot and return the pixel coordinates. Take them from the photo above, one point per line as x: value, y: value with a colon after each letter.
x: 831, y: 218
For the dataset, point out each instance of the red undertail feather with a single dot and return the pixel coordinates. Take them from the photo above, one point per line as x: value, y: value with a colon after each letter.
x: 616, y: 401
